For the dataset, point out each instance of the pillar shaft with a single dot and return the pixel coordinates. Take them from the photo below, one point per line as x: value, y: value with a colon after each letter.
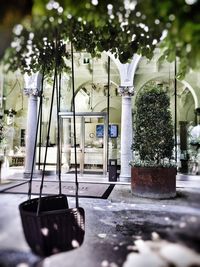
x: 126, y: 132
x: 31, y: 129
x: 66, y: 145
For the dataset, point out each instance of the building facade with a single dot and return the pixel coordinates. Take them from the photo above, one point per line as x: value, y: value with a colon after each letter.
x: 104, y: 114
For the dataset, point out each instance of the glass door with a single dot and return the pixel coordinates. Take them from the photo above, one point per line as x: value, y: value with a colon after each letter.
x: 91, y: 146
x: 79, y: 145
x: 68, y: 145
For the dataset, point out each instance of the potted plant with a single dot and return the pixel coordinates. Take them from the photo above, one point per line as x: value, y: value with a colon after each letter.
x: 153, y: 169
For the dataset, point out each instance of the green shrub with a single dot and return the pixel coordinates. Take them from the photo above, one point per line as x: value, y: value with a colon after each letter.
x: 153, y: 134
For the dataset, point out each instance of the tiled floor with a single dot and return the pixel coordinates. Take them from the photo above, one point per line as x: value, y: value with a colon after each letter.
x: 115, y: 228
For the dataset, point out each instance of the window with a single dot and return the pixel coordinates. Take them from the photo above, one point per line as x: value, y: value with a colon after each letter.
x: 113, y: 130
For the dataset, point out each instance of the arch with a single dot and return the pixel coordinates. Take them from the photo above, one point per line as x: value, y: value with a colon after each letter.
x: 185, y: 110
x: 102, y: 105
x: 90, y: 83
x: 192, y: 92
x: 181, y: 81
x: 153, y: 77
x: 78, y: 89
x: 127, y: 70
x: 103, y: 82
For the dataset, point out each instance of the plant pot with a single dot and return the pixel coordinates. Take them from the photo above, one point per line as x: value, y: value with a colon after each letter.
x: 153, y: 182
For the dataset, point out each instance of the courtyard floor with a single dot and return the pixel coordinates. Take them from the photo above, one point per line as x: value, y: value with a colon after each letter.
x: 122, y: 230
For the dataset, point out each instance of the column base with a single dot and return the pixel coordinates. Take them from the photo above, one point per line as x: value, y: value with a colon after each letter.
x: 125, y: 178
x: 36, y: 174
x: 65, y: 168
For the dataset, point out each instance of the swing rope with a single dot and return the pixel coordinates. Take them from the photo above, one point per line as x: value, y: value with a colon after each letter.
x: 58, y: 133
x: 74, y: 122
x: 48, y: 133
x: 57, y: 88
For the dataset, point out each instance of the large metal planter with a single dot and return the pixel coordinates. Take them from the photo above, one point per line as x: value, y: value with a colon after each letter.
x: 152, y: 182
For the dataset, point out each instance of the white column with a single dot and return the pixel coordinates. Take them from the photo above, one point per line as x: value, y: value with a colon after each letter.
x: 126, y: 131
x: 127, y: 74
x: 66, y: 146
x: 30, y: 129
x: 32, y: 90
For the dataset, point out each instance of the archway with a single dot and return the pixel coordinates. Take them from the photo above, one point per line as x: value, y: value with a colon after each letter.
x: 187, y: 100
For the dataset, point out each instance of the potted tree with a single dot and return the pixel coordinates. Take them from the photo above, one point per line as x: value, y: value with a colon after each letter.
x: 153, y: 169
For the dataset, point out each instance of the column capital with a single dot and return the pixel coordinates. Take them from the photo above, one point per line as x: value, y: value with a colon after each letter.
x: 126, y: 90
x: 32, y: 84
x: 31, y: 91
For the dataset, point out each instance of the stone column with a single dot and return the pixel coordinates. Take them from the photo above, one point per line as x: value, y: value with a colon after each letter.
x: 66, y: 146
x: 31, y: 128
x: 32, y: 90
x: 126, y: 131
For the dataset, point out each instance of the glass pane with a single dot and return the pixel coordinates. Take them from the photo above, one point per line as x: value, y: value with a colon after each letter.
x: 89, y: 145
x: 93, y: 147
x: 68, y: 149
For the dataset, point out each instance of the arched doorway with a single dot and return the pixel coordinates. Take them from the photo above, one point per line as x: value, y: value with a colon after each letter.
x: 92, y: 128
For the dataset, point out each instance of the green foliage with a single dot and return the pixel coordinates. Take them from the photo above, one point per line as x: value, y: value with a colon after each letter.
x: 3, y: 134
x: 179, y: 19
x: 153, y: 139
x: 1, y: 131
x: 42, y: 42
x: 38, y: 45
x: 121, y: 27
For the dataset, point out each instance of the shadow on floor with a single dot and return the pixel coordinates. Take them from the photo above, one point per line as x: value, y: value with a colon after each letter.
x: 13, y: 258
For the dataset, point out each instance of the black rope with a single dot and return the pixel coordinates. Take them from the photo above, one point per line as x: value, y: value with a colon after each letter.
x: 47, y: 141
x: 108, y: 109
x: 74, y: 121
x: 175, y: 108
x: 40, y: 135
x: 35, y: 143
x: 58, y: 133
x: 59, y: 89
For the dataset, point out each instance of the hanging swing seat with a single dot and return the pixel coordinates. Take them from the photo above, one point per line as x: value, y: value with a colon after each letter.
x: 56, y: 228
x: 49, y: 225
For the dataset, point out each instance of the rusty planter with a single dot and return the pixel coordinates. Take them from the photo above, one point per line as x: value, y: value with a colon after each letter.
x: 152, y: 182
